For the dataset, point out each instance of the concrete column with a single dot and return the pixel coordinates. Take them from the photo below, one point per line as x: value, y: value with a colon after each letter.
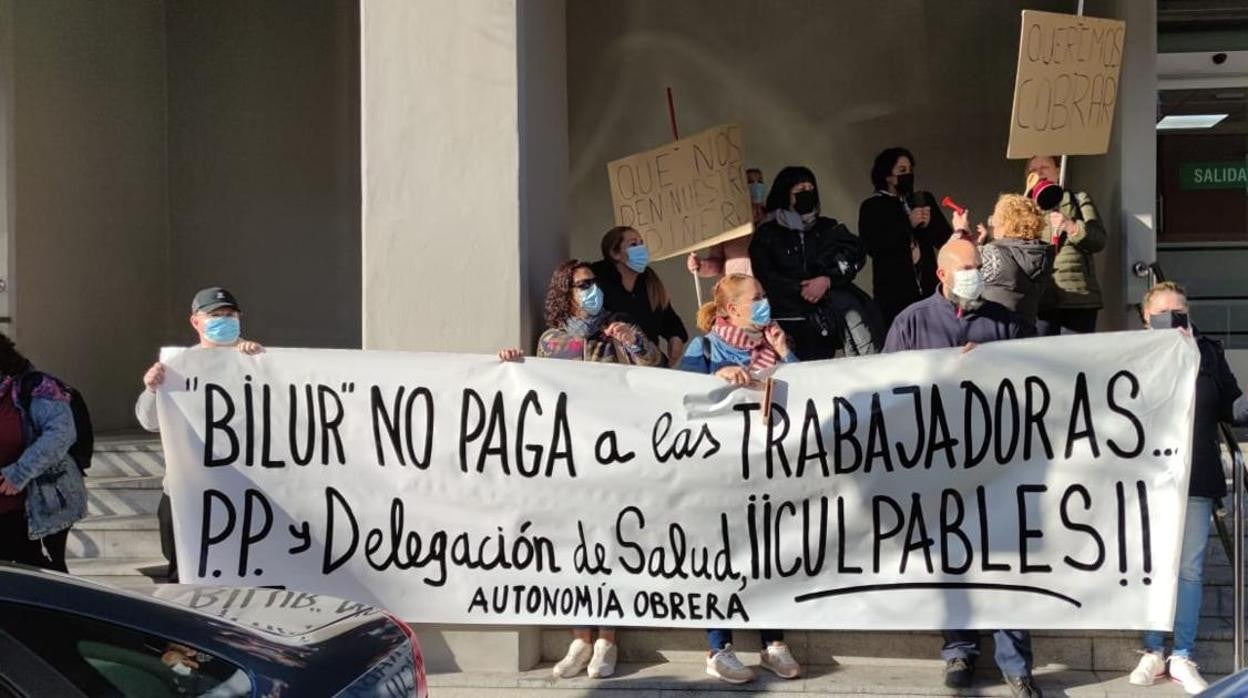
x: 464, y: 181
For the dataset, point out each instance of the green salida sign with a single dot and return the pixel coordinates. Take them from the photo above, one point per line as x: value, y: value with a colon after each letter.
x: 1214, y: 175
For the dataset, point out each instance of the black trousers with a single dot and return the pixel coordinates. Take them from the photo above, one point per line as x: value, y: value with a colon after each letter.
x: 164, y: 515
x: 1066, y: 321
x: 16, y: 546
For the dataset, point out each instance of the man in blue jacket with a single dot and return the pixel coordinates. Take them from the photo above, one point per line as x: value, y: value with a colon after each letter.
x: 958, y: 316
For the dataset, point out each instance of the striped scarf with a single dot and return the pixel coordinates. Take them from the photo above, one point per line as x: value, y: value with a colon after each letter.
x: 762, y: 356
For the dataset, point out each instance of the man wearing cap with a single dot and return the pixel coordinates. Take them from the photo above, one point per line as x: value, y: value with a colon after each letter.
x: 215, y: 317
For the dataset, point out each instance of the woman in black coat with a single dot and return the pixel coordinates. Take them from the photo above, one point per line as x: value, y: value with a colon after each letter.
x: 807, y: 264
x: 902, y: 229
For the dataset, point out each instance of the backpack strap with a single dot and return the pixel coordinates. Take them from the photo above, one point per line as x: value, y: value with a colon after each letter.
x: 29, y: 381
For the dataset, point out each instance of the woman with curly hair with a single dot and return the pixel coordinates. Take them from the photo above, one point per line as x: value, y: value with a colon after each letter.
x: 41, y: 489
x: 579, y: 329
x: 1017, y: 259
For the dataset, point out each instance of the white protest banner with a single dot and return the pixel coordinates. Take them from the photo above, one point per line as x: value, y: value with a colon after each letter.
x: 1027, y: 484
x: 1066, y: 84
x: 686, y: 195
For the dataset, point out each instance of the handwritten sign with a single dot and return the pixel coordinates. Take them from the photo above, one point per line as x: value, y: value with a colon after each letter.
x: 684, y: 196
x: 1066, y: 85
x: 1035, y: 483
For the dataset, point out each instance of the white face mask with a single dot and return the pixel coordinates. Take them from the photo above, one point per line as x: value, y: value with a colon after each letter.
x: 968, y: 284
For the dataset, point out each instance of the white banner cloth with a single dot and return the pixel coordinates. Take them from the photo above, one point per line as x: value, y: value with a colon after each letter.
x: 1026, y: 484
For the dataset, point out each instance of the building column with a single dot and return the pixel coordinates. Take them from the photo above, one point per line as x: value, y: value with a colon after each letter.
x: 464, y: 161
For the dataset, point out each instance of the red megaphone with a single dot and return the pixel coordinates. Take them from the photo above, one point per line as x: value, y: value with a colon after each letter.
x: 950, y: 204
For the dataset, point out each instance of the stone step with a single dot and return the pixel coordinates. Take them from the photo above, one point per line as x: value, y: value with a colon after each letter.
x: 127, y: 460
x: 849, y: 676
x: 126, y: 536
x: 1085, y: 650
x: 123, y: 495
x: 118, y: 568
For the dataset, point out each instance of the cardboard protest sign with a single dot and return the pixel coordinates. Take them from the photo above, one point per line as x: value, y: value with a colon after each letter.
x: 686, y: 195
x: 1033, y: 483
x: 1066, y: 85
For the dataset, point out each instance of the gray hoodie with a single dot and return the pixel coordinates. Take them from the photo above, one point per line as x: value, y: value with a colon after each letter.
x: 1016, y: 273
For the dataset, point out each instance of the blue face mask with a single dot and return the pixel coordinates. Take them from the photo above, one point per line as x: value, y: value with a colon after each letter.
x: 760, y: 312
x: 590, y: 300
x: 638, y: 258
x: 222, y: 330
x: 758, y: 192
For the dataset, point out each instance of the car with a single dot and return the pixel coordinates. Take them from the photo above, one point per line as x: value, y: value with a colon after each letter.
x: 1232, y: 686
x: 63, y: 636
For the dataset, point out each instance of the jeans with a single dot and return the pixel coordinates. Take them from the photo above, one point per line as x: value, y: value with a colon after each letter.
x: 719, y: 638
x: 1191, y: 573
x: 1013, y: 649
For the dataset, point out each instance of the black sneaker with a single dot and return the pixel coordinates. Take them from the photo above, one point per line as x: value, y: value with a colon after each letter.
x: 1024, y: 687
x: 959, y: 672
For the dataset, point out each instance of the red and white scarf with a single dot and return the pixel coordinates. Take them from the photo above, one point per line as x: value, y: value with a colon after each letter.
x: 762, y: 355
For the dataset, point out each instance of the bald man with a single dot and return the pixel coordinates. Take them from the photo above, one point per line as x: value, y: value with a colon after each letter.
x: 958, y: 316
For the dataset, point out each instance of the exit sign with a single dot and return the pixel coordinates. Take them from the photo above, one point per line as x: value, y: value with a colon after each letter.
x: 1214, y: 175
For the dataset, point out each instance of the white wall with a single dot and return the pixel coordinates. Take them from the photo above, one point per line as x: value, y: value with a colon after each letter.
x: 824, y: 84
x: 463, y: 170
x: 90, y: 217
x: 264, y: 166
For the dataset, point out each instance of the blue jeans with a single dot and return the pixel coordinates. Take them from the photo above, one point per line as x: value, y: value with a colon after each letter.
x: 1013, y: 649
x: 1191, y: 574
x: 719, y: 638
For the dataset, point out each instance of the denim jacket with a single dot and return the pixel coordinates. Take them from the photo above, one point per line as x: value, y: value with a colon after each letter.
x: 56, y: 495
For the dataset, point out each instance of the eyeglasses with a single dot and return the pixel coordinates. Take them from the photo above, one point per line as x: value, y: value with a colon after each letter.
x: 584, y: 284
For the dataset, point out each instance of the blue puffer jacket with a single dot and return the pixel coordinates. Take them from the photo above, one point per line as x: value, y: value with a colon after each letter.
x: 56, y: 495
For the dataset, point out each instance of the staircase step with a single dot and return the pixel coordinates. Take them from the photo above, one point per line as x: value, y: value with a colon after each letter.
x: 123, y: 495
x: 130, y: 460
x: 125, y: 537
x: 847, y: 677
x: 113, y: 567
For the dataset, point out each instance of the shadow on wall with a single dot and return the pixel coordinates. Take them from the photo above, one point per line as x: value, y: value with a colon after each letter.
x: 827, y: 85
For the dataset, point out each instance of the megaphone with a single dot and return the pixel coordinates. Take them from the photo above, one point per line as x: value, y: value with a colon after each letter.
x: 1046, y: 194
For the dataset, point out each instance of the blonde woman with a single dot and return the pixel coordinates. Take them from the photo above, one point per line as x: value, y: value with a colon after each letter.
x: 741, y: 342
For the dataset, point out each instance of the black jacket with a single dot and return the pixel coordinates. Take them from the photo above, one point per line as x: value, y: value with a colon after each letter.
x: 784, y: 258
x: 884, y: 226
x: 1218, y: 399
x: 1016, y: 273
x: 658, y: 324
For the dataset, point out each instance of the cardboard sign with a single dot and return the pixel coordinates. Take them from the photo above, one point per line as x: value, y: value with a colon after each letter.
x: 1036, y: 483
x: 687, y: 195
x: 1066, y: 86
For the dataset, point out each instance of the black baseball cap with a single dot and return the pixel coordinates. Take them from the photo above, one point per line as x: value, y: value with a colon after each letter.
x: 213, y: 298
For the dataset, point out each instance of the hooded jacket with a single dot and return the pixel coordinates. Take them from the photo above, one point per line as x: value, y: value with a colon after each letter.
x: 1016, y: 274
x: 1074, y: 271
x: 783, y: 258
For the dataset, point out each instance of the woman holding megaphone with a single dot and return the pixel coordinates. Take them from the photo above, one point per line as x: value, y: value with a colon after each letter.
x: 1071, y: 304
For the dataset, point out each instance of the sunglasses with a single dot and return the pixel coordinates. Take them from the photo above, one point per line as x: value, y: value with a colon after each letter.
x: 584, y: 284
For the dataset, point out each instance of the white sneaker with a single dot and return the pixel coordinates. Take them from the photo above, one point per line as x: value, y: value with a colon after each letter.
x: 1152, y: 666
x: 602, y: 664
x: 778, y: 660
x: 1183, y: 671
x: 725, y: 666
x: 574, y: 662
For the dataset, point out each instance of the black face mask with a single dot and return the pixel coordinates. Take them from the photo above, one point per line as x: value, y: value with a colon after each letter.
x: 905, y: 183
x: 1168, y: 320
x: 805, y: 202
